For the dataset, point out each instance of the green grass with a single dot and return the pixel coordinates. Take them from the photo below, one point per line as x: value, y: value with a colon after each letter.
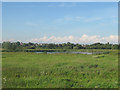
x: 32, y: 70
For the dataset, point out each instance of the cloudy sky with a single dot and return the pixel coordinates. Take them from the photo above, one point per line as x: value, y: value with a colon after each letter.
x: 57, y: 22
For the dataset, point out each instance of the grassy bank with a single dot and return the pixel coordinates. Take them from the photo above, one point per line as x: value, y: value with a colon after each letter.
x: 60, y: 50
x: 27, y: 69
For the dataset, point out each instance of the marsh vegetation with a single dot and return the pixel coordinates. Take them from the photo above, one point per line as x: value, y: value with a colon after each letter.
x: 60, y: 70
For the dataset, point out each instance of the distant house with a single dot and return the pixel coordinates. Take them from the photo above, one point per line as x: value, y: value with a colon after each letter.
x: 21, y: 43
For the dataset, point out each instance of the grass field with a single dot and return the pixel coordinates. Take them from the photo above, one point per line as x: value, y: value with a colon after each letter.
x: 32, y: 70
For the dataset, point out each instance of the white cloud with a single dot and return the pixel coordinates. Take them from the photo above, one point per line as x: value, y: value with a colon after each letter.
x: 111, y: 38
x: 78, y: 19
x: 30, y: 24
x: 93, y: 19
x: 89, y: 39
x: 83, y: 39
x: 62, y: 4
x: 11, y: 40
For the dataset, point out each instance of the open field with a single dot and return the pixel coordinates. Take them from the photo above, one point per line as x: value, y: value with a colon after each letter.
x: 32, y: 70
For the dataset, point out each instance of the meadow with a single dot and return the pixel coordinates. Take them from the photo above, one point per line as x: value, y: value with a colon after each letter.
x: 41, y: 70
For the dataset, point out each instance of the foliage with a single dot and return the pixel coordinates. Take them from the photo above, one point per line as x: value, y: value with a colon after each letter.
x: 19, y: 46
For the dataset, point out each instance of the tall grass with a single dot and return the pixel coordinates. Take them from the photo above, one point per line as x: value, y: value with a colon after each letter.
x: 33, y: 70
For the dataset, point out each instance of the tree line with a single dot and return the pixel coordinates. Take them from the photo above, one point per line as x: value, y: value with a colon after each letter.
x: 19, y: 46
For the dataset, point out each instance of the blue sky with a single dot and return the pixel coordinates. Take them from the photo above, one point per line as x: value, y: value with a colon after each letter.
x: 50, y: 22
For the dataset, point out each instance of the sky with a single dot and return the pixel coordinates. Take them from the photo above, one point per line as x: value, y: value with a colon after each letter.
x: 60, y: 22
